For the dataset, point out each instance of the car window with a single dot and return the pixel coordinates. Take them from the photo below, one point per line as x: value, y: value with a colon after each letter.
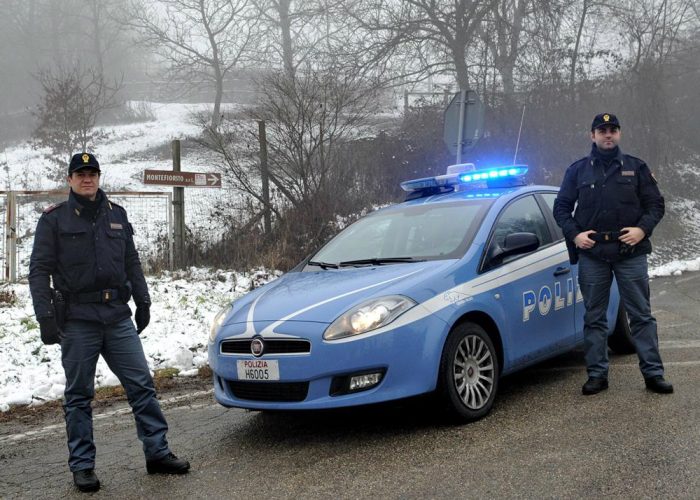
x: 426, y: 231
x: 521, y: 216
x: 549, y: 199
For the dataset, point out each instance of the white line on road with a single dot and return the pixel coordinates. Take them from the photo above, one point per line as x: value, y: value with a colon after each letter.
x: 679, y: 344
x: 624, y: 365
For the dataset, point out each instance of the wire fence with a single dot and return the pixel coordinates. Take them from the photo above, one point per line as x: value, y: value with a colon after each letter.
x: 149, y: 214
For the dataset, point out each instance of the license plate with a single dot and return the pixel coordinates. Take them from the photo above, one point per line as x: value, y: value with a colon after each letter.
x: 258, y: 369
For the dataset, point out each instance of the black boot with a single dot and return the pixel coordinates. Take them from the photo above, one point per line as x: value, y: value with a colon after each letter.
x: 169, y: 464
x: 658, y: 384
x: 86, y: 480
x: 594, y: 385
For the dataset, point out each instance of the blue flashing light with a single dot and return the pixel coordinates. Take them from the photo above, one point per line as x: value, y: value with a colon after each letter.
x: 494, y: 173
x: 500, y: 174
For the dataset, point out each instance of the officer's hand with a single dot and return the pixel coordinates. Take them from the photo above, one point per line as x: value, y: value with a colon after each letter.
x: 583, y: 241
x: 142, y: 316
x: 631, y: 235
x: 50, y: 333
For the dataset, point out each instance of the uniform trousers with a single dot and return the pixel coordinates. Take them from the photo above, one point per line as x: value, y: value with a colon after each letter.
x: 595, y: 279
x: 120, y: 346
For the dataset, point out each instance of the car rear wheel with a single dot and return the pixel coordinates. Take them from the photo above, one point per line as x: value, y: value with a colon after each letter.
x: 620, y: 341
x: 469, y: 372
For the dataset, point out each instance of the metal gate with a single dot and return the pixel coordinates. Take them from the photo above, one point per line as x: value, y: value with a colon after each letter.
x: 149, y: 213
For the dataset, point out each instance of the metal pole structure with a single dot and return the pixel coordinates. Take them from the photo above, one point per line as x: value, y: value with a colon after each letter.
x: 264, y: 176
x: 171, y: 230
x: 178, y: 211
x: 11, y: 238
x: 460, y: 139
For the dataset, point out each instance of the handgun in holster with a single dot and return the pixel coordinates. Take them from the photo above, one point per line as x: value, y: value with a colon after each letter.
x: 125, y: 292
x: 59, y: 307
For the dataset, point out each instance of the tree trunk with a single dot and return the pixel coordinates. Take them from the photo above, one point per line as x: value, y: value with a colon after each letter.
x: 216, y: 114
x: 285, y: 31
x: 574, y: 56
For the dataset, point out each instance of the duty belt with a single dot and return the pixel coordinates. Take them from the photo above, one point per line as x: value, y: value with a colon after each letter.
x: 99, y: 296
x: 605, y: 236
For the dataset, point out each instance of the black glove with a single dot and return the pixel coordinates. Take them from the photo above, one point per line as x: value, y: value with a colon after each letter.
x: 142, y: 316
x: 50, y: 333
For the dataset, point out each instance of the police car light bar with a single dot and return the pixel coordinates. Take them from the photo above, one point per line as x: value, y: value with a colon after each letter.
x: 485, y: 175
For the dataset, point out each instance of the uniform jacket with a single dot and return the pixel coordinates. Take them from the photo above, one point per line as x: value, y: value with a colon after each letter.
x: 626, y: 195
x: 83, y: 252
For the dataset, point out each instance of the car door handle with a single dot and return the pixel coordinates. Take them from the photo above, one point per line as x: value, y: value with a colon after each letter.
x: 562, y: 270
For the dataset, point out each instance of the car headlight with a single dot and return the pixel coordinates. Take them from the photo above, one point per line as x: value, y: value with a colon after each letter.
x: 368, y: 316
x: 218, y: 320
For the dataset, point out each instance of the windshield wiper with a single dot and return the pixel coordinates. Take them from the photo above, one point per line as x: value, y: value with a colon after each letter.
x: 378, y: 261
x: 323, y: 265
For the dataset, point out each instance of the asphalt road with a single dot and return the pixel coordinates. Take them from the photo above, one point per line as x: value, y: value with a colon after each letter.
x: 542, y: 440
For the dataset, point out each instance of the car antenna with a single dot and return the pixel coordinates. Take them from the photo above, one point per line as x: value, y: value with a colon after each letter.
x: 517, y: 144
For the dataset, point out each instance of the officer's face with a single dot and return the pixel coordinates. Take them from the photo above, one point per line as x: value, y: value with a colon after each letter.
x: 606, y: 137
x: 85, y: 182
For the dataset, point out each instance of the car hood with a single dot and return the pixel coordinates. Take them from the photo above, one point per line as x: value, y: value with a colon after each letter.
x: 324, y: 295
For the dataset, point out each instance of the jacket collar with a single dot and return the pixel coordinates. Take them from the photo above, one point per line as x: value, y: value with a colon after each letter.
x: 595, y: 156
x: 77, y: 207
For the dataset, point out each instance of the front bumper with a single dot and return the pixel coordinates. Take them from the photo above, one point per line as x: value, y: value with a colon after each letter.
x: 408, y: 357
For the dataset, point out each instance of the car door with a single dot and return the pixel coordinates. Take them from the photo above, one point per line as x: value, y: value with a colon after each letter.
x: 536, y: 289
x: 548, y: 199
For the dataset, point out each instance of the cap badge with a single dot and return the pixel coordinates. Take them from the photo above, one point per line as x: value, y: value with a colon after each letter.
x: 86, y: 157
x: 605, y: 118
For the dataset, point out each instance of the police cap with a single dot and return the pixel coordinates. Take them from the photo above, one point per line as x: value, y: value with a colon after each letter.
x: 83, y: 160
x: 605, y: 120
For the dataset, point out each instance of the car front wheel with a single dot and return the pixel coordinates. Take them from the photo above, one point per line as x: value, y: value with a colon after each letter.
x: 469, y: 372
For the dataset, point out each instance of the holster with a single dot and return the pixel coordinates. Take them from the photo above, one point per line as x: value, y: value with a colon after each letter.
x: 59, y: 307
x: 125, y: 292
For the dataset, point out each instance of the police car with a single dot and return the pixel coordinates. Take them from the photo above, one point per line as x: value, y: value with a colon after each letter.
x: 466, y: 281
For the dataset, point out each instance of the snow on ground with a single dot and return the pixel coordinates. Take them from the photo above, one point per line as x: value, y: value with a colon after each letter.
x: 184, y: 304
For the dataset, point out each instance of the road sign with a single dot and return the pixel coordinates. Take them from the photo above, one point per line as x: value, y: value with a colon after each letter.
x: 469, y: 118
x: 185, y: 179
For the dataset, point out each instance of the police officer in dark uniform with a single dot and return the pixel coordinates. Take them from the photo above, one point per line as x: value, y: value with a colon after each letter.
x: 84, y: 247
x: 619, y: 204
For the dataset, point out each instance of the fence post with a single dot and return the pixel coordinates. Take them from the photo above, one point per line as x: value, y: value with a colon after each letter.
x: 178, y: 211
x: 11, y: 238
x: 264, y: 176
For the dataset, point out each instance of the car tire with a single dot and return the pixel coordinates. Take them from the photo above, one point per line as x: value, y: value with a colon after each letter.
x: 469, y: 373
x: 620, y: 341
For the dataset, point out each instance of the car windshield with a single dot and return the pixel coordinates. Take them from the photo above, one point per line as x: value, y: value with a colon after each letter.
x: 406, y: 234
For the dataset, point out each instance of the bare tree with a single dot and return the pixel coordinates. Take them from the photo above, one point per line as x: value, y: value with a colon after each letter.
x: 291, y: 31
x: 199, y: 39
x: 72, y: 100
x: 308, y: 117
x: 437, y: 36
x: 502, y: 33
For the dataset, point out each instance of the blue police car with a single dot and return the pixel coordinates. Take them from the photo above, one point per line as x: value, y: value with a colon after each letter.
x: 466, y: 281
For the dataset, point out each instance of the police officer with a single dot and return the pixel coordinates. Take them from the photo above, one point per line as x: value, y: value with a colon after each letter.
x: 84, y: 247
x: 619, y: 204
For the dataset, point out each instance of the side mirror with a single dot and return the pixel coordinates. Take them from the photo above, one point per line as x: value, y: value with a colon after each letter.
x: 514, y: 244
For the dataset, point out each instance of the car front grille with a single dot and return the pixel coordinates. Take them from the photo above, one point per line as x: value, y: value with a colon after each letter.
x: 272, y: 346
x: 269, y: 391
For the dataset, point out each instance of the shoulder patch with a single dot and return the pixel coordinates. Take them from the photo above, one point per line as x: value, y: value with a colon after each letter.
x: 53, y: 207
x: 113, y: 205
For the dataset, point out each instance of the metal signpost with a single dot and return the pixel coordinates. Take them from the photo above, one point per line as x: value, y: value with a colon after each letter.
x: 180, y: 180
x: 464, y: 122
